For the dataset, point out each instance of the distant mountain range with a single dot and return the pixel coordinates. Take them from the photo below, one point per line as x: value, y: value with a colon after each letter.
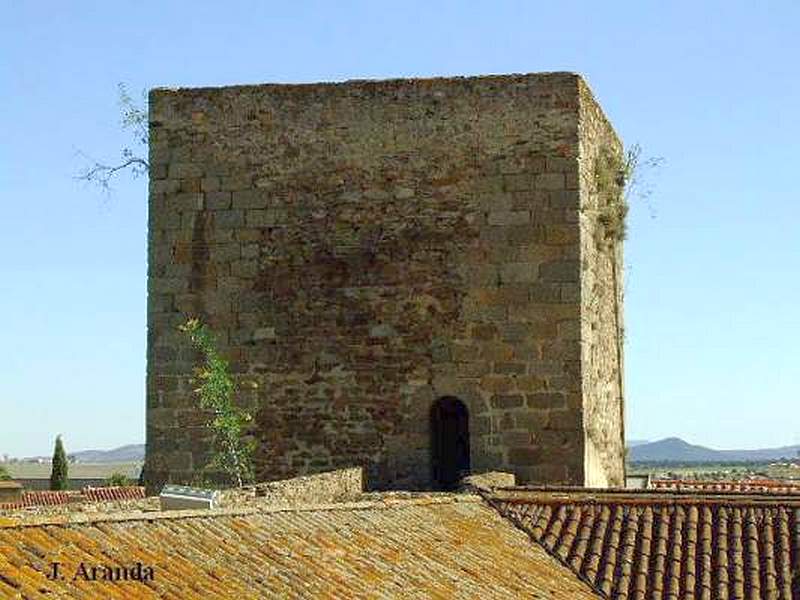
x: 632, y: 443
x: 676, y: 450
x: 129, y: 453
x: 667, y: 450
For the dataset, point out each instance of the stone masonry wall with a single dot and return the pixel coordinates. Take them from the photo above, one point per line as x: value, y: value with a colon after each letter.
x: 363, y: 249
x: 601, y: 307
x: 332, y: 486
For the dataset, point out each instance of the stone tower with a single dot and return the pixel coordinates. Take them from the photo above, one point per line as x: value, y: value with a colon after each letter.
x: 413, y: 271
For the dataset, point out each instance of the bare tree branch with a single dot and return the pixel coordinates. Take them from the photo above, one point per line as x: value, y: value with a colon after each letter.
x: 134, y: 117
x: 102, y: 174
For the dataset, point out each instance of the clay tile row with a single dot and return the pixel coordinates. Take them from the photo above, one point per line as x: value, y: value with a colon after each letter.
x: 651, y: 550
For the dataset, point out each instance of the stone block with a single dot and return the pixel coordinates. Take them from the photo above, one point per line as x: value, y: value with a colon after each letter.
x: 565, y: 199
x: 236, y: 182
x: 560, y: 271
x: 403, y: 193
x: 561, y: 235
x: 546, y: 400
x: 164, y: 186
x: 266, y: 218
x: 531, y: 383
x: 570, y: 292
x: 382, y: 330
x: 187, y: 201
x: 189, y: 185
x: 542, y: 293
x: 519, y: 272
x: 210, y: 184
x: 516, y: 438
x: 509, y: 368
x: 229, y: 219
x: 264, y: 333
x: 182, y: 170
x: 550, y: 181
x: 557, y: 164
x: 497, y: 351
x: 497, y: 383
x: 516, y: 183
x: 246, y: 199
x: 526, y: 455
x: 509, y: 217
x: 157, y: 171
x: 244, y: 268
x: 506, y: 401
x: 498, y: 202
x: 168, y: 285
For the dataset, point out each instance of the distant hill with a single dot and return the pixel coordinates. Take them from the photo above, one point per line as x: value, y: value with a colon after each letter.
x: 632, y: 443
x: 129, y: 453
x: 676, y: 450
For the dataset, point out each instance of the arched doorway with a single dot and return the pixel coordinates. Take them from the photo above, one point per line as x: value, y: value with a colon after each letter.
x: 449, y: 441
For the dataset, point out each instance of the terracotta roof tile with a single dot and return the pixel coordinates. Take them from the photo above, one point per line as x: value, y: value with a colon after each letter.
x: 443, y: 548
x: 42, y: 498
x: 113, y: 493
x: 667, y: 546
x: 88, y: 494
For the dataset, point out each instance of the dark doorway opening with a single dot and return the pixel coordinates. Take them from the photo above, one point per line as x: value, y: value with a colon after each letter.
x: 449, y: 442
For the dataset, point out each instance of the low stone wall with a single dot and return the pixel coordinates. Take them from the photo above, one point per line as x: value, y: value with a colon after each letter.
x: 332, y: 486
x: 487, y: 481
x: 10, y: 491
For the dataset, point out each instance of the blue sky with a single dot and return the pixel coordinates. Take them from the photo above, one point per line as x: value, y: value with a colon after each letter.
x: 712, y: 279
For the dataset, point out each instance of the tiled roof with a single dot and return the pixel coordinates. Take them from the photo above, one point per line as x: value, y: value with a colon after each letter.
x: 668, y: 545
x: 113, y: 493
x: 746, y: 486
x: 449, y: 547
x: 88, y: 494
x: 42, y: 498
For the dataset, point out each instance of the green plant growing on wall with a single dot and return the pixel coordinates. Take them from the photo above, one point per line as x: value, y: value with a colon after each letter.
x: 232, y: 450
x: 59, y: 474
x: 618, y: 177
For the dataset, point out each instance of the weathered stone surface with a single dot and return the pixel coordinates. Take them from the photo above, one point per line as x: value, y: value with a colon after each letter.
x: 601, y: 305
x: 364, y: 249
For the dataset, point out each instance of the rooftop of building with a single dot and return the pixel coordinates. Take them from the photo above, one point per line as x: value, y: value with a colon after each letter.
x: 386, y: 83
x: 319, y: 537
x: 666, y: 544
x: 417, y: 547
x: 718, y: 485
x: 31, y: 499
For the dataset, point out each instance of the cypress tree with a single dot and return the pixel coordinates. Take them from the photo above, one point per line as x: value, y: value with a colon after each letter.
x: 60, y: 473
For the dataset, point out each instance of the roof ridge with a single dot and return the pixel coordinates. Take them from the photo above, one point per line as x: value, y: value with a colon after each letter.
x: 645, y: 497
x: 488, y: 498
x: 72, y: 519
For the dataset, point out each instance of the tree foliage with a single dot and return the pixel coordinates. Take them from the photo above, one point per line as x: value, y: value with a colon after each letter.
x: 117, y: 479
x: 59, y: 474
x: 4, y: 474
x: 232, y: 449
